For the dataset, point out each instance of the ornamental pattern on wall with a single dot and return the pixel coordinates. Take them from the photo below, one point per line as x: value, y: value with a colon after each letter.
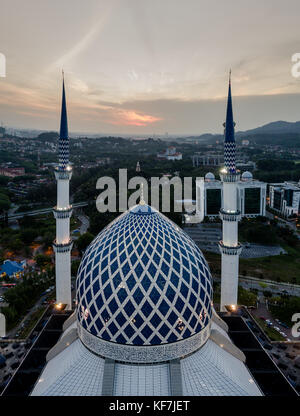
x: 145, y: 354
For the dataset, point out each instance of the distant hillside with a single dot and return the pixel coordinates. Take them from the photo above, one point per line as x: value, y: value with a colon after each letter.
x: 276, y: 127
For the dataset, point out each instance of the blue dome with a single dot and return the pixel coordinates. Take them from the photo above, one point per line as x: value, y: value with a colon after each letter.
x: 143, y: 281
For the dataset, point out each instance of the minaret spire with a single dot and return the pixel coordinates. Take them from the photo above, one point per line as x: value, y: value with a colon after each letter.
x: 229, y: 140
x: 64, y: 134
x: 62, y: 212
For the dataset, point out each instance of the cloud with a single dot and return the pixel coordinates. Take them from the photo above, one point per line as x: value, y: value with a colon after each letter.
x: 122, y: 117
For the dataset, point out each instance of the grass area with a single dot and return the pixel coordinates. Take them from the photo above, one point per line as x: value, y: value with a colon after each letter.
x: 282, y: 268
x: 271, y: 332
x: 74, y: 223
x: 32, y: 322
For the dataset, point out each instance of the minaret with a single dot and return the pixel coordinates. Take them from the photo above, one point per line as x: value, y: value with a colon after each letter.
x: 62, y: 245
x: 230, y: 215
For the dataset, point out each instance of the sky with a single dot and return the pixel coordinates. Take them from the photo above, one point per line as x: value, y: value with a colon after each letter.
x: 148, y: 67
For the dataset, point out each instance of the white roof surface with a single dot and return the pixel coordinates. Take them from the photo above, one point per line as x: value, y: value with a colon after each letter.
x: 210, y: 371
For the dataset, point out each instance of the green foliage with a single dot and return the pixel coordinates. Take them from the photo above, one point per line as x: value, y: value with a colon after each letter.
x: 267, y: 293
x: 285, y: 308
x: 42, y: 260
x: 3, y: 180
x: 4, y: 202
x: 255, y: 231
x: 269, y: 165
x: 84, y: 241
x: 48, y: 136
x: 28, y: 235
x: 74, y: 267
x: 24, y: 296
x: 100, y: 220
x: 246, y: 297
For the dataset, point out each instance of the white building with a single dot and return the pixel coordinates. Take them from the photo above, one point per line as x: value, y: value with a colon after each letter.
x: 170, y: 154
x: 285, y: 198
x: 251, y: 196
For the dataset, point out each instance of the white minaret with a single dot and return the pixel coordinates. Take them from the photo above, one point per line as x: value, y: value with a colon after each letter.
x: 62, y: 245
x: 230, y: 215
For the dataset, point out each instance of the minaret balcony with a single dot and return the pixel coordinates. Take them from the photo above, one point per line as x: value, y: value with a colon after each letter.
x: 60, y: 213
x: 62, y: 247
x: 230, y: 215
x: 229, y: 176
x: 63, y: 174
x: 232, y: 251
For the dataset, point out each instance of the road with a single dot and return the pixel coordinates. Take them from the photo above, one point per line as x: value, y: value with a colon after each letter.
x: 85, y: 223
x: 263, y: 311
x: 249, y: 282
x: 15, y: 216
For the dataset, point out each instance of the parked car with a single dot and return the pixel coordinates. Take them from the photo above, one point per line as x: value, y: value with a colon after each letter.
x: 277, y: 329
x: 261, y: 317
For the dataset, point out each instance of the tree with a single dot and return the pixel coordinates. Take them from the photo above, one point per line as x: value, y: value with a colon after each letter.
x: 285, y: 308
x: 42, y: 260
x: 84, y: 241
x: 246, y: 297
x: 4, y: 202
x: 74, y: 267
x: 267, y: 293
x: 28, y: 235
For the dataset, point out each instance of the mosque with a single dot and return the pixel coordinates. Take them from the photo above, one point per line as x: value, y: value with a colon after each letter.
x: 144, y: 322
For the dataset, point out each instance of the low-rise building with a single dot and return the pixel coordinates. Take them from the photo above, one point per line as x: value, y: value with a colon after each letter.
x: 12, y: 268
x: 285, y: 197
x: 251, y: 196
x: 170, y: 154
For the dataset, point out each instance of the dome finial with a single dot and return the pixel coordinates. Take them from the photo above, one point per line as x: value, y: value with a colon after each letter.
x: 142, y: 202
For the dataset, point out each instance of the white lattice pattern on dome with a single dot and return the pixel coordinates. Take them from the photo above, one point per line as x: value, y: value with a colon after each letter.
x: 143, y: 281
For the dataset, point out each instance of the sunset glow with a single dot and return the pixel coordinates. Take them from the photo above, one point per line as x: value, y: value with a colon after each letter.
x: 132, y: 118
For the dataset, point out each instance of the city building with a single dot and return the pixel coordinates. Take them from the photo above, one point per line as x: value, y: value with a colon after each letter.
x: 170, y: 154
x: 11, y: 172
x: 207, y: 160
x: 215, y: 160
x: 285, y: 198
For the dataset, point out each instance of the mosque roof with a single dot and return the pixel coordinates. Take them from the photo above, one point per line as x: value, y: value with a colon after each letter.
x: 143, y: 282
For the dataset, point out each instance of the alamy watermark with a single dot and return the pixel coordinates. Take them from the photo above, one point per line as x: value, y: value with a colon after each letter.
x: 296, y: 326
x: 2, y: 65
x: 296, y: 67
x: 182, y: 191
